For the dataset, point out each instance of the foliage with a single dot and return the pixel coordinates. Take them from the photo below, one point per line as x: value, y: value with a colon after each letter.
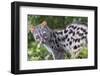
x: 54, y: 22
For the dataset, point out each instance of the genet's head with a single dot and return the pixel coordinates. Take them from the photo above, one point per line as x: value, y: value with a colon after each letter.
x: 41, y: 32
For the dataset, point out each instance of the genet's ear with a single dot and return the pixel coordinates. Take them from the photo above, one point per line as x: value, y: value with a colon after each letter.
x: 44, y: 23
x: 32, y: 28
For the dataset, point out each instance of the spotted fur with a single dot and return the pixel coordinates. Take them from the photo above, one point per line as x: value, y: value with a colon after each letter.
x: 70, y: 40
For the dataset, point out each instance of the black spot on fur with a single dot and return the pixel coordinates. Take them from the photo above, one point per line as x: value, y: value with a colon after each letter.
x: 59, y: 39
x: 78, y: 28
x: 72, y: 38
x: 66, y: 44
x: 68, y: 39
x: 57, y: 45
x: 83, y: 29
x: 77, y: 32
x: 70, y: 42
x: 70, y: 31
x: 52, y: 47
x: 80, y: 34
x: 77, y: 40
x: 74, y: 27
x: 65, y: 31
x: 66, y: 36
x: 50, y: 41
x: 73, y: 33
x: 84, y: 37
x: 78, y: 46
x: 56, y: 42
x: 63, y: 39
x: 59, y: 33
x: 54, y: 35
x: 85, y: 32
x: 75, y: 47
x: 70, y: 26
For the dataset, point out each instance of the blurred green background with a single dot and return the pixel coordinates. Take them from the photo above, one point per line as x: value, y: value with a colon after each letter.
x: 54, y: 22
